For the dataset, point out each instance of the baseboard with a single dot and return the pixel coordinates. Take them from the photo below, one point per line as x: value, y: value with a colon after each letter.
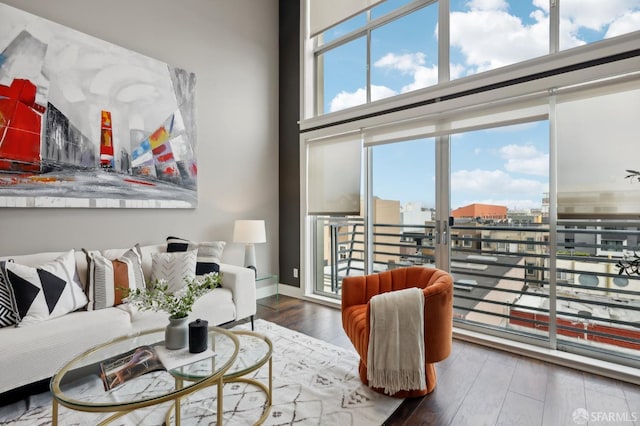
x: 291, y: 291
x: 266, y: 291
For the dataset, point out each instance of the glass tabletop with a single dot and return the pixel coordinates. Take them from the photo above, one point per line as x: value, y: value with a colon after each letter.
x: 126, y: 372
x: 254, y: 351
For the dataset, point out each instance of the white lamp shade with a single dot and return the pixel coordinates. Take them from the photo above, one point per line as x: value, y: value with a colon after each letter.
x: 249, y: 231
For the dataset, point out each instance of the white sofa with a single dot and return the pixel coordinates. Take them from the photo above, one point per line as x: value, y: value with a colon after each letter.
x: 34, y: 352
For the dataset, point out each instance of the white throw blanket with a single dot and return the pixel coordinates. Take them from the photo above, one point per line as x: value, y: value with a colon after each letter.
x: 395, y: 359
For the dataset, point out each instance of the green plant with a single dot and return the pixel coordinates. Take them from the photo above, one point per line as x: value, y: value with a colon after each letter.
x: 178, y: 305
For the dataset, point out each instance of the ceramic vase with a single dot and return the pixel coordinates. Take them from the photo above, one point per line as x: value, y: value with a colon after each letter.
x: 176, y: 335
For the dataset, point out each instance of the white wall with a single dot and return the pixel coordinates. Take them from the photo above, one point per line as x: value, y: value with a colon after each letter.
x: 232, y: 47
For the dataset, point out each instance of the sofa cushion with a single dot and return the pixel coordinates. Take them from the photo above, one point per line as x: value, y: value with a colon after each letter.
x: 209, y: 253
x: 8, y: 310
x: 47, y: 291
x: 37, y: 352
x: 173, y: 268
x: 175, y: 244
x: 109, y: 277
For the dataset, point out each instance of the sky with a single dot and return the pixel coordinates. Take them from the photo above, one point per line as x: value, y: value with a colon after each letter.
x: 507, y: 166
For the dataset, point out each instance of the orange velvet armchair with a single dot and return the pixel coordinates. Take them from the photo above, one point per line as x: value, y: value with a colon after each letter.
x: 437, y: 287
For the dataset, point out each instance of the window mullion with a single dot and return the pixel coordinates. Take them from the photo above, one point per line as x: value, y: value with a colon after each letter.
x: 444, y: 73
x: 554, y: 26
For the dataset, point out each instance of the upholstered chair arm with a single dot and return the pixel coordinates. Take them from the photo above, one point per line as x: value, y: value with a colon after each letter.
x: 354, y: 291
x: 438, y: 318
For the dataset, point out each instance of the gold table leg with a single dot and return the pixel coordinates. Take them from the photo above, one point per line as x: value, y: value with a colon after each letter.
x: 54, y: 412
x: 270, y: 381
x: 220, y: 385
x: 179, y: 384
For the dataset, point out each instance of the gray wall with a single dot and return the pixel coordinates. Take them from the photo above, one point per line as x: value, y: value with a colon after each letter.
x: 232, y: 47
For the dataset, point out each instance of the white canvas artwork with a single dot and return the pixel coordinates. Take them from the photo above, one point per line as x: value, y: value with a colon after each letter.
x: 86, y: 123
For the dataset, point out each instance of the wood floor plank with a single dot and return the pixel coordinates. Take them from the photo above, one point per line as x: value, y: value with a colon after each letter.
x: 565, y: 393
x: 520, y: 410
x: 606, y: 408
x: 603, y: 384
x: 530, y: 378
x: 484, y: 401
x: 452, y: 387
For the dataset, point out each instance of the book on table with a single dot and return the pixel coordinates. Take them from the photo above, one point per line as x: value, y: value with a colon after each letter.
x: 144, y: 359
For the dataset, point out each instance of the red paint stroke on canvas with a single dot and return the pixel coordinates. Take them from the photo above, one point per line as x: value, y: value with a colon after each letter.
x: 20, y: 127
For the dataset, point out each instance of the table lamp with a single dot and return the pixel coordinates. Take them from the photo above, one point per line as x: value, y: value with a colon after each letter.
x: 249, y: 232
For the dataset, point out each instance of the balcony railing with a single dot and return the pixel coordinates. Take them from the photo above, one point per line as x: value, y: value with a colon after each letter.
x: 502, y: 276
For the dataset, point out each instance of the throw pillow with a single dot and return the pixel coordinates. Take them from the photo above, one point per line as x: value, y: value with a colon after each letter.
x: 175, y: 244
x: 173, y: 268
x: 8, y: 315
x: 209, y: 253
x: 47, y: 291
x: 109, y: 277
x: 134, y: 255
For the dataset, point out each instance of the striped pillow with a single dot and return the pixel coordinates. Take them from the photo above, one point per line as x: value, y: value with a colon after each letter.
x: 108, y: 278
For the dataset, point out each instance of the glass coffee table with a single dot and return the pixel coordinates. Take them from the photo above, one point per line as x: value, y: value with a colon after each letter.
x: 78, y: 384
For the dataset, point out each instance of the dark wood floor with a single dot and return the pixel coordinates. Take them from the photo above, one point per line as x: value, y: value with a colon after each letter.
x: 482, y: 386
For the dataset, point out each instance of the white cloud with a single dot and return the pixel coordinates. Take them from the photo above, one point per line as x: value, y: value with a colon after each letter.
x: 595, y: 14
x: 346, y: 99
x: 488, y: 5
x: 494, y: 182
x: 623, y: 25
x: 412, y: 64
x: 423, y: 77
x: 379, y: 92
x: 405, y: 63
x: 490, y: 39
x: 456, y: 71
x: 525, y: 159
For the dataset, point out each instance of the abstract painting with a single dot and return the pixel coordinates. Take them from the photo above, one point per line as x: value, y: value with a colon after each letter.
x: 86, y: 123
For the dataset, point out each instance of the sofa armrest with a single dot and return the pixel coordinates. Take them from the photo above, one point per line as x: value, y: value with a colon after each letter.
x: 242, y: 283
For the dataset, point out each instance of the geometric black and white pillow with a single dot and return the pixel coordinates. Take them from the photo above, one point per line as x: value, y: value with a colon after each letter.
x: 8, y: 315
x: 47, y: 291
x: 177, y: 244
x: 209, y: 253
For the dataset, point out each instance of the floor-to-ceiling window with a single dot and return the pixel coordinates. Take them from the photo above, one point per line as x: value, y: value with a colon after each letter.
x: 529, y: 262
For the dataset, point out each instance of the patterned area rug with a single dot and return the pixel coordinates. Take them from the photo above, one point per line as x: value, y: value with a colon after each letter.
x: 314, y: 383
